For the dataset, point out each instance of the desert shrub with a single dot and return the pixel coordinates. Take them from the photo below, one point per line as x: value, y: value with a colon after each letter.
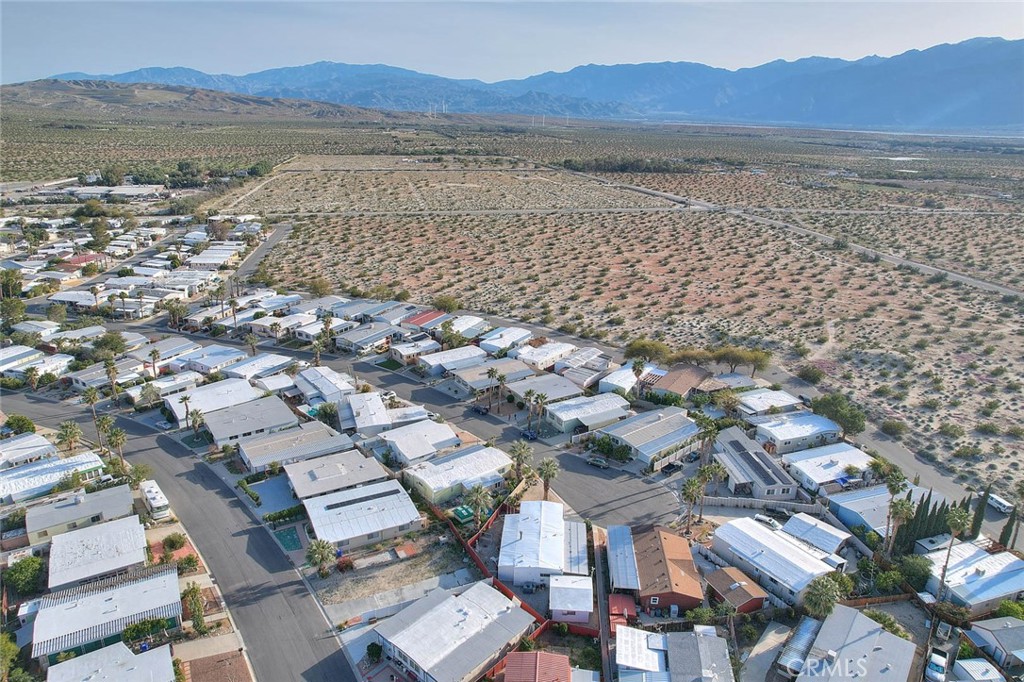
x: 174, y: 542
x: 810, y: 374
x: 916, y: 570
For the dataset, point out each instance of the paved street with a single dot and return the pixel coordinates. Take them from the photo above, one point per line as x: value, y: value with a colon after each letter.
x: 286, y: 634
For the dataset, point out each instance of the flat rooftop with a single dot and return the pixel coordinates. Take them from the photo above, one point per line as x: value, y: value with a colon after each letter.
x: 358, y: 512
x: 99, y: 549
x: 342, y: 470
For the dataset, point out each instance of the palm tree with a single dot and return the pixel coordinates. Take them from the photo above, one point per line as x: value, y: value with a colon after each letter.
x: 95, y: 291
x: 328, y: 330
x: 492, y: 376
x: 317, y: 349
x: 521, y: 454
x: 32, y: 377
x: 117, y: 438
x: 251, y: 340
x: 896, y: 483
x: 707, y: 433
x: 154, y: 356
x: 501, y: 389
x: 91, y: 396
x: 548, y: 471
x: 124, y: 297
x: 320, y: 553
x: 540, y: 400
x: 69, y: 433
x: 138, y: 297
x: 198, y: 421
x: 479, y: 500
x: 103, y: 425
x: 234, y: 313
x: 692, y: 492
x: 275, y: 329
x: 528, y: 399
x: 710, y: 472
x: 821, y: 596
x: 958, y: 519
x: 901, y: 512
x: 111, y: 370
x: 638, y: 371
x: 184, y: 401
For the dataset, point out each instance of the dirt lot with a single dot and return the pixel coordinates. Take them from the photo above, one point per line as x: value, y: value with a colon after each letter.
x: 433, y: 558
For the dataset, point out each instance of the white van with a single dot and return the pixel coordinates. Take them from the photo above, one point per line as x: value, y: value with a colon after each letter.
x: 1000, y: 504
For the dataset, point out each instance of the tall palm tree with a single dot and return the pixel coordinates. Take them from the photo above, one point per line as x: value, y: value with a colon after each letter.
x: 111, y: 370
x: 95, y: 291
x: 548, y: 470
x: 521, y: 454
x: 821, y: 596
x: 492, y: 376
x: 710, y: 472
x: 117, y: 438
x: 198, y: 421
x: 103, y: 425
x: 958, y: 519
x: 478, y: 498
x: 251, y: 340
x: 901, y: 511
x: 895, y: 483
x: 320, y: 553
x: 639, y: 365
x: 184, y: 401
x: 91, y: 397
x: 528, y: 400
x: 318, y: 347
x: 69, y: 434
x: 328, y: 329
x: 275, y: 329
x: 154, y: 357
x: 707, y: 433
x: 540, y: 400
x: 138, y: 297
x: 234, y: 313
x: 32, y: 377
x: 502, y: 379
x: 692, y: 492
x: 124, y: 297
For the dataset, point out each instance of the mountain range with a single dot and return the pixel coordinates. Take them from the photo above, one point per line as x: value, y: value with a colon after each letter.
x: 974, y: 85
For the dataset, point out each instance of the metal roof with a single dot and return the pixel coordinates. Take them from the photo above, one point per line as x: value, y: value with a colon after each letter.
x: 270, y: 413
x: 453, y: 358
x: 534, y: 538
x: 776, y: 554
x: 259, y: 366
x: 309, y: 440
x: 640, y: 650
x: 747, y: 462
x: 215, y: 396
x: 38, y: 478
x: 475, y: 465
x: 100, y: 549
x: 588, y: 405
x: 799, y: 645
x: 576, y: 560
x: 324, y: 383
x: 360, y: 511
x: 795, y: 425
x: 91, y: 613
x: 976, y: 670
x: 555, y: 387
x: 622, y: 559
x: 475, y: 376
x: 571, y: 593
x: 450, y: 637
x: 420, y: 439
x: 330, y: 473
x: 116, y: 662
x: 764, y: 399
x: 24, y: 447
x: 976, y: 577
x: 828, y: 462
x: 651, y: 433
x: 880, y: 655
x: 816, y: 532
x: 110, y: 503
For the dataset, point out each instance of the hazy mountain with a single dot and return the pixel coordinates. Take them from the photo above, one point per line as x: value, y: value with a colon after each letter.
x: 975, y: 84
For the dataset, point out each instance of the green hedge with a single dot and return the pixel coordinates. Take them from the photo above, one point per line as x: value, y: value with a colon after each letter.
x: 253, y: 495
x: 289, y: 514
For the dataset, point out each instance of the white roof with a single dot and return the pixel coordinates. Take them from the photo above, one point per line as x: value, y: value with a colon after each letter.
x: 340, y: 471
x: 39, y: 478
x: 115, y: 662
x: 108, y: 503
x: 586, y: 406
x: 454, y: 358
x: 976, y: 670
x: 13, y: 356
x: 775, y: 553
x: 571, y: 593
x: 213, y: 356
x: 259, y: 366
x: 797, y: 425
x: 414, y: 347
x: 368, y: 410
x: 555, y: 387
x: 90, y: 613
x: 464, y: 323
x: 763, y: 399
x: 99, y: 549
x: 450, y: 636
x: 212, y: 397
x: 535, y: 537
x: 475, y: 465
x: 544, y: 355
x: 23, y: 447
x: 420, y: 439
x: 827, y: 463
x: 816, y: 532
x: 270, y: 413
x: 622, y: 378
x: 358, y: 512
x: 42, y: 327
x: 652, y: 432
x: 976, y: 577
x: 504, y: 337
x: 312, y: 439
x: 318, y: 382
x: 166, y: 384
x: 640, y: 650
x: 275, y: 383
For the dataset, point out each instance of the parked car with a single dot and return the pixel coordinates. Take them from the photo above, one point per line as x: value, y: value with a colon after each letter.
x: 481, y: 409
x: 768, y: 521
x: 529, y: 434
x: 599, y: 462
x: 164, y: 425
x: 805, y: 399
x: 1000, y: 504
x: 693, y: 457
x: 671, y: 468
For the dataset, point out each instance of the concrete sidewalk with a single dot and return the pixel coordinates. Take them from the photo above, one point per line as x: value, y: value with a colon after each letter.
x: 759, y: 663
x: 207, y: 646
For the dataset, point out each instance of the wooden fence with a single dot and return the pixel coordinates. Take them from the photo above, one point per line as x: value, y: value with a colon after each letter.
x: 814, y: 509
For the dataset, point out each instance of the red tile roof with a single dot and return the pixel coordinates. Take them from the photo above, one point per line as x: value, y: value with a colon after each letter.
x: 423, y: 318
x: 537, y: 666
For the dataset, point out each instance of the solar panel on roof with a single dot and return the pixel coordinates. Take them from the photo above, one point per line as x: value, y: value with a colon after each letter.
x: 757, y: 467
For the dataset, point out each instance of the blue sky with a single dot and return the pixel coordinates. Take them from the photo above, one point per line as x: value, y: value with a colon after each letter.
x: 487, y: 40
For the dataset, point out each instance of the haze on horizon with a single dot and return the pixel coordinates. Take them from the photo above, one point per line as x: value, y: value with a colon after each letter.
x: 486, y: 40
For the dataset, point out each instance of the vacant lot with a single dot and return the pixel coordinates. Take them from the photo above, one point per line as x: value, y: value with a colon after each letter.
x: 943, y: 359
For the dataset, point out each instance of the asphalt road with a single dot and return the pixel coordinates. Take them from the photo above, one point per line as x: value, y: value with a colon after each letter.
x: 285, y: 633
